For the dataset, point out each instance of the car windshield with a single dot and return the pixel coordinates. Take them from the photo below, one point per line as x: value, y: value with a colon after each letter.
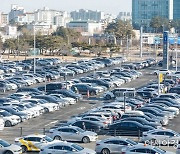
x: 131, y: 142
x: 159, y: 150
x: 77, y: 147
x: 5, y: 113
x: 4, y: 143
x: 48, y: 139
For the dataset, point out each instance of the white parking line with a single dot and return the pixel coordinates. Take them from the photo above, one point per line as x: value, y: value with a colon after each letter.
x: 53, y: 122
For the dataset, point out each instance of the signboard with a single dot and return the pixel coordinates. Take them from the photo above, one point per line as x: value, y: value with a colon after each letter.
x: 165, y: 50
x: 161, y: 77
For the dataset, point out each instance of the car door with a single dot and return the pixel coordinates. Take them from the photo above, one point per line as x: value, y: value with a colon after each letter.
x: 112, y: 145
x: 58, y: 149
x: 32, y: 143
x: 74, y: 135
x: 64, y: 133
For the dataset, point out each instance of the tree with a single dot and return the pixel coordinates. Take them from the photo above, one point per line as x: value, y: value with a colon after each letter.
x: 160, y: 24
x: 67, y: 34
x: 121, y: 29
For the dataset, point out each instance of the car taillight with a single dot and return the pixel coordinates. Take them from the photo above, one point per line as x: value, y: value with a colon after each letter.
x: 97, y: 144
x: 104, y: 122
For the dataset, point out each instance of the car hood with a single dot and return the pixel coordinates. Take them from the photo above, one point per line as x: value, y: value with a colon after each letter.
x: 89, y: 133
x: 14, y: 147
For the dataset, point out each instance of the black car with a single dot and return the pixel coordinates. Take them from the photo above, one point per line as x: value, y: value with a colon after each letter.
x: 84, y: 89
x: 29, y: 90
x: 128, y: 128
x: 142, y: 121
x: 89, y: 125
x: 175, y: 90
x: 51, y: 86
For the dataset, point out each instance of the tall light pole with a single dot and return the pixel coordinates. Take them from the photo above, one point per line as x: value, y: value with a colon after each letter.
x: 176, y: 54
x: 34, y: 49
x: 141, y: 41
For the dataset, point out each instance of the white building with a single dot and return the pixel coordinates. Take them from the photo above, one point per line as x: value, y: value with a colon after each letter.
x: 125, y: 16
x: 11, y: 31
x: 46, y: 15
x: 86, y: 15
x: 62, y: 20
x: 4, y: 19
x: 42, y: 27
x: 30, y: 17
x: 86, y: 27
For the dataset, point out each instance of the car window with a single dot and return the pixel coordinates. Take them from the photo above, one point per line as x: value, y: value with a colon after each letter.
x: 59, y: 147
x: 169, y: 134
x: 122, y: 143
x: 30, y: 139
x: 72, y: 131
x: 63, y: 130
x: 112, y: 142
x: 160, y: 133
x: 139, y: 150
x: 67, y: 148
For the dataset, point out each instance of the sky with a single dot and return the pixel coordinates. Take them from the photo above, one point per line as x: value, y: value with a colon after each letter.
x: 108, y: 6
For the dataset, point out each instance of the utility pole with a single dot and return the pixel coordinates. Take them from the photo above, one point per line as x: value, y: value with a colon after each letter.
x: 34, y: 50
x: 141, y: 41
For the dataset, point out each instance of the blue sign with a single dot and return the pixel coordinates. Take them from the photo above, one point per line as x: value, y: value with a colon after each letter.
x: 165, y: 50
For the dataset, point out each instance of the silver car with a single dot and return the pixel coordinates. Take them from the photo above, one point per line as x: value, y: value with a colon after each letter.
x: 161, y: 137
x: 113, y: 145
x: 6, y: 148
x: 141, y: 148
x: 72, y: 133
x: 65, y: 147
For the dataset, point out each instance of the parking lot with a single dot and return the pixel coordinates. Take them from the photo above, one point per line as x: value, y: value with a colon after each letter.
x: 42, y: 123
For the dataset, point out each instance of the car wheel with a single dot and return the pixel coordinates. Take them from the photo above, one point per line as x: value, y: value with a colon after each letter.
x: 46, y: 110
x: 85, y: 139
x: 24, y: 148
x: 8, y: 152
x: 108, y: 97
x: 57, y: 138
x: 105, y: 151
x: 155, y: 73
x: 8, y: 123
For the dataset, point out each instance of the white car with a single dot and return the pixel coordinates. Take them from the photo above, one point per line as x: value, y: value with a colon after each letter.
x: 33, y: 142
x: 163, y: 71
x: 6, y: 148
x: 161, y: 137
x: 9, y: 120
x: 60, y: 147
x: 66, y: 99
x: 72, y: 133
x: 48, y: 107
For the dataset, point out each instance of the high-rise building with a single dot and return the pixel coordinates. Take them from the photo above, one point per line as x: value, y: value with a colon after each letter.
x: 4, y: 19
x: 15, y: 12
x: 87, y: 15
x: 125, y: 16
x: 176, y: 7
x: 144, y: 10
